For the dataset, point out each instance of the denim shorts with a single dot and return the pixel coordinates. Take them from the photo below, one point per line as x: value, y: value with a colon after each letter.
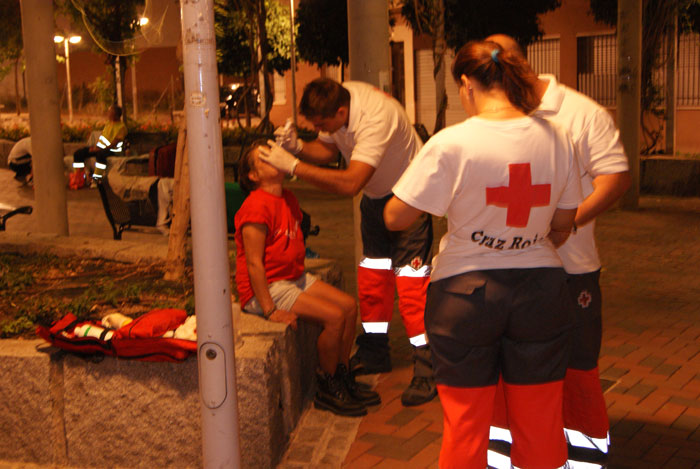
x: 284, y: 293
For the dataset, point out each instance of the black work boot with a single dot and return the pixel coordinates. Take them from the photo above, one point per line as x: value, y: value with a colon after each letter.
x: 332, y: 395
x: 372, y: 355
x: 357, y: 392
x: 422, y: 388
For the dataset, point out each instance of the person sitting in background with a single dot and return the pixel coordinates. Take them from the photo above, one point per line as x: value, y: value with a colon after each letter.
x: 20, y: 160
x: 272, y: 283
x: 111, y: 141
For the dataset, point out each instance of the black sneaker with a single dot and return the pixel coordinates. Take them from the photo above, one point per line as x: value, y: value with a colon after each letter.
x: 372, y: 355
x: 421, y: 390
x: 332, y: 395
x: 357, y: 392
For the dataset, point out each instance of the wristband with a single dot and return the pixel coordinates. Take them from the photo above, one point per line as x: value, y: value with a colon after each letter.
x: 269, y: 313
x: 294, y: 167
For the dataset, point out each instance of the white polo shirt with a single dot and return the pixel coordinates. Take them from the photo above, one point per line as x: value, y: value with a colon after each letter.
x: 599, y: 151
x: 20, y: 149
x: 379, y: 133
x: 499, y: 182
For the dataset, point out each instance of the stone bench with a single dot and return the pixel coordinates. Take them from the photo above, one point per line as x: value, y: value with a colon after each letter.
x: 63, y: 409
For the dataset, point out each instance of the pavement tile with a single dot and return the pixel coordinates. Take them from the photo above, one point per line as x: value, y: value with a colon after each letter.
x: 677, y: 462
x: 666, y: 369
x: 653, y: 401
x: 652, y: 361
x: 427, y: 457
x: 668, y: 413
x: 418, y: 442
x: 660, y: 454
x: 412, y: 428
x: 641, y: 390
x: 627, y: 428
x: 357, y: 449
x: 615, y: 373
x: 403, y: 417
x: 365, y: 461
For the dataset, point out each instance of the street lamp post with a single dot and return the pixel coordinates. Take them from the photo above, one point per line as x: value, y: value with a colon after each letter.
x: 65, y: 40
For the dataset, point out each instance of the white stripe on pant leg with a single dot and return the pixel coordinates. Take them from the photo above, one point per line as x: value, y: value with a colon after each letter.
x: 497, y: 460
x: 377, y: 264
x: 408, y: 271
x: 418, y: 341
x: 498, y: 433
x: 571, y: 464
x: 581, y: 440
x: 78, y: 165
x: 375, y: 327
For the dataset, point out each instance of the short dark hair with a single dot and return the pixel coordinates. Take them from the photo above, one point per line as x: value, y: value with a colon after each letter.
x: 323, y: 97
x: 117, y: 111
x: 491, y: 65
x: 245, y: 166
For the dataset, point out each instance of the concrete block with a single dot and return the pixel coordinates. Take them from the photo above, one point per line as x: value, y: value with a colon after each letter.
x: 121, y: 413
x: 26, y: 402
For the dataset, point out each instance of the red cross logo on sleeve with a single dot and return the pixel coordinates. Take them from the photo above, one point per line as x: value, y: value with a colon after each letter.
x: 519, y: 196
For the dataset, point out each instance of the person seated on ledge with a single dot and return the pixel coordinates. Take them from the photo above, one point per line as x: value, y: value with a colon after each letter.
x: 272, y: 283
x: 111, y: 141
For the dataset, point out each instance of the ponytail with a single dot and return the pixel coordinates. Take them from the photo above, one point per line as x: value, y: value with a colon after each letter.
x: 491, y: 65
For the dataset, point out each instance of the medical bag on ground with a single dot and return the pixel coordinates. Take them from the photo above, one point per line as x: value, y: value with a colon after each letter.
x: 141, y: 339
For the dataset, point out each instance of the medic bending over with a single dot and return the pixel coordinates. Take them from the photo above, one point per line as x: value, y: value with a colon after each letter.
x: 373, y: 133
x: 497, y: 303
x: 604, y: 174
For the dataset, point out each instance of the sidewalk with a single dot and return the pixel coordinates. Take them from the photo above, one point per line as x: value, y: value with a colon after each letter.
x: 650, y: 354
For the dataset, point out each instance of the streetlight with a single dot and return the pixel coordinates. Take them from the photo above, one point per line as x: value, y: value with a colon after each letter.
x: 65, y: 40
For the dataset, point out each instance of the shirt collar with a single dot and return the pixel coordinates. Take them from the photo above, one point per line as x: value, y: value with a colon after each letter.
x: 553, y: 96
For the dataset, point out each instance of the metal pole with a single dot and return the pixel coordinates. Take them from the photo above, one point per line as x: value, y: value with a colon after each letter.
x: 217, y: 378
x: 629, y: 100
x: 70, y: 92
x: 134, y: 90
x: 50, y: 208
x: 118, y: 80
x: 294, y: 64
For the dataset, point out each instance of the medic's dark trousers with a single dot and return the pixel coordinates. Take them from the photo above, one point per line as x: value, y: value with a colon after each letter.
x: 513, y: 323
x: 393, y: 260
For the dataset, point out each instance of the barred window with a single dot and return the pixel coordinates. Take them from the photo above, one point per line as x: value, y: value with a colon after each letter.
x: 543, y: 56
x: 688, y: 70
x: 597, y: 67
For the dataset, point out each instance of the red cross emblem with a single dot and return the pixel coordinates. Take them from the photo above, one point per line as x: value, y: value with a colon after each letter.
x: 519, y: 196
x: 416, y: 263
x: 584, y: 299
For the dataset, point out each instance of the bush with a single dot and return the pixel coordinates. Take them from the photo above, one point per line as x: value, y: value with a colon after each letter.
x: 14, y: 133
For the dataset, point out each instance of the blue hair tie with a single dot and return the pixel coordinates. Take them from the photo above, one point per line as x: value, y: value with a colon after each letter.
x: 494, y: 55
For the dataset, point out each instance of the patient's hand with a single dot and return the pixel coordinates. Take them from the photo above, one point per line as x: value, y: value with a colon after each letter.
x: 285, y: 317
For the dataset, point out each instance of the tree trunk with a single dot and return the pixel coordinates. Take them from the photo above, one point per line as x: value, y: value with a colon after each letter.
x: 439, y: 47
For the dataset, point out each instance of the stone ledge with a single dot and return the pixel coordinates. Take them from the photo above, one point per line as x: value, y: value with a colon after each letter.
x: 60, y: 408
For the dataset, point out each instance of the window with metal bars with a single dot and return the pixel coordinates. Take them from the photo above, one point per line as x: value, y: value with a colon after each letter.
x: 543, y: 56
x: 597, y: 67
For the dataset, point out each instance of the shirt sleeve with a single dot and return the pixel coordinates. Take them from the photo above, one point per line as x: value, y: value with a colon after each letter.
x: 601, y: 151
x: 429, y: 181
x: 252, y: 211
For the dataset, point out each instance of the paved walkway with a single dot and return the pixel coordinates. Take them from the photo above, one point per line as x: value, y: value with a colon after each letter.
x: 650, y: 354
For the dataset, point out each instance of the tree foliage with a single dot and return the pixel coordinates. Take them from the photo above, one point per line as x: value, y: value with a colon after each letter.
x: 237, y: 36
x: 111, y: 24
x: 323, y: 31
x: 10, y: 34
x: 467, y: 20
x: 11, y: 43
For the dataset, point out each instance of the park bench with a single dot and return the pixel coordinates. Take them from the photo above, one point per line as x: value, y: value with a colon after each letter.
x: 8, y: 211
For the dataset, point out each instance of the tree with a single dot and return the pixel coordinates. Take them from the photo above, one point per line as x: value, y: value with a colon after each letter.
x: 252, y: 36
x: 469, y: 20
x: 323, y: 32
x: 112, y: 25
x: 11, y: 43
x: 657, y: 18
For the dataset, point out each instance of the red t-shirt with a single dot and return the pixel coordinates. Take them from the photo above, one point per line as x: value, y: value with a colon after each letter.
x: 284, y: 243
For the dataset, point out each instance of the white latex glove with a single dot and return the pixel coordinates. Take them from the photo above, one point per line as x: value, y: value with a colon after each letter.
x: 286, y: 137
x: 279, y: 158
